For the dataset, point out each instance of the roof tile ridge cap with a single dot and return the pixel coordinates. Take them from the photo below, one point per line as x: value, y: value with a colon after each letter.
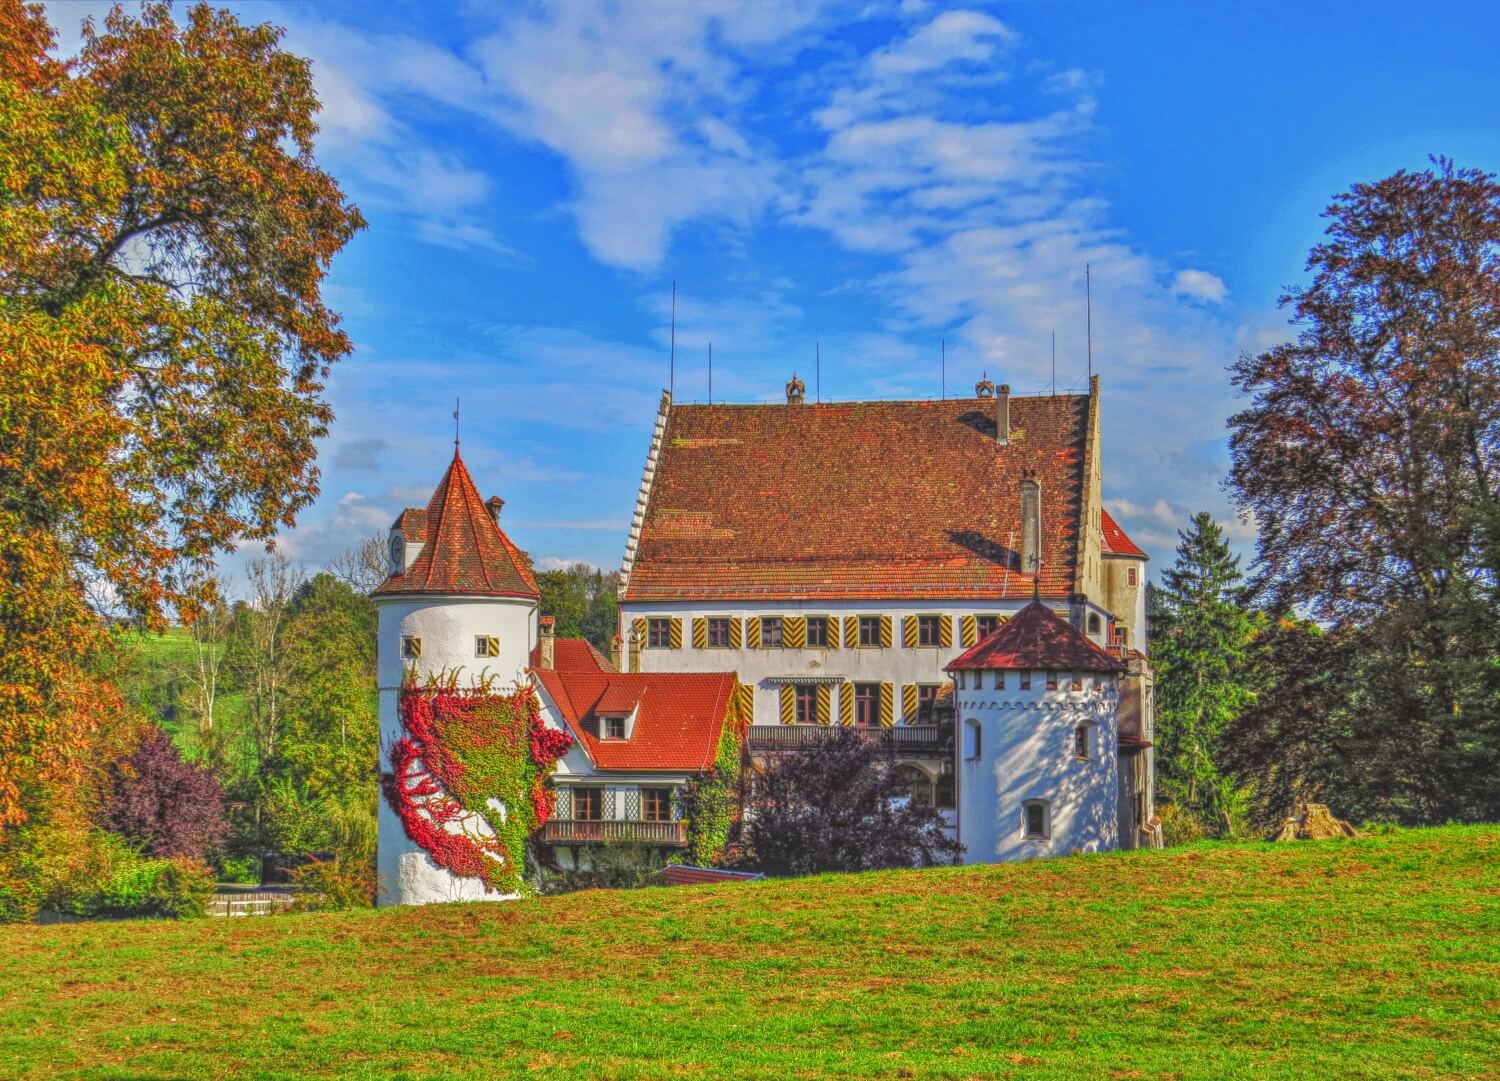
x: 643, y: 497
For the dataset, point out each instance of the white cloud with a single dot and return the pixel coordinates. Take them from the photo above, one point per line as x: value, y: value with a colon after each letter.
x: 951, y: 37
x: 1199, y: 285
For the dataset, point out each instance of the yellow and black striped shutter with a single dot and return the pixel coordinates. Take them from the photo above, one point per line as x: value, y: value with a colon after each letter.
x: 851, y: 632
x: 700, y: 632
x: 794, y: 632
x: 909, y: 632
x: 968, y: 631
x: 909, y: 703
x: 945, y: 631
x: 640, y: 633
x: 885, y: 632
x: 788, y: 704
x: 736, y: 632
x: 746, y: 694
x: 674, y: 633
x: 825, y: 704
x: 887, y: 704
x: 846, y: 705
x: 752, y: 628
x: 834, y: 640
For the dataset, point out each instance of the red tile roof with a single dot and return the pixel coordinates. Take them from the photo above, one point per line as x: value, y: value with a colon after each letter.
x: 573, y: 654
x: 464, y: 551
x: 678, y: 726
x: 1116, y: 542
x: 863, y: 499
x: 1036, y: 638
x: 682, y: 874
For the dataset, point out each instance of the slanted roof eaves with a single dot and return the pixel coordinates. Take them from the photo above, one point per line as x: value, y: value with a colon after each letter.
x: 1116, y: 543
x: 1036, y: 638
x: 863, y: 499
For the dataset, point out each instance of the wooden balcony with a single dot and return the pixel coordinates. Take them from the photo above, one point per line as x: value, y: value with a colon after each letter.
x: 902, y: 740
x: 577, y: 831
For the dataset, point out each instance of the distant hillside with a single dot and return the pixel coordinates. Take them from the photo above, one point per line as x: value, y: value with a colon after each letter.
x: 154, y: 674
x: 1378, y: 958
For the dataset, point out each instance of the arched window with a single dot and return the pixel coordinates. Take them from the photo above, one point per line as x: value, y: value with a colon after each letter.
x: 918, y: 784
x: 1094, y: 625
x: 1036, y: 819
x: 973, y: 746
x: 1082, y: 742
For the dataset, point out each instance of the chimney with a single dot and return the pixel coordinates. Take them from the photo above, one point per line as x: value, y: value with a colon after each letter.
x: 796, y: 391
x: 1031, y: 524
x: 494, y: 503
x: 1002, y: 414
x: 548, y: 643
x: 617, y: 652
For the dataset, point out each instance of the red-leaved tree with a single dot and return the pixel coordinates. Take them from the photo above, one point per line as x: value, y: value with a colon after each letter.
x: 168, y: 806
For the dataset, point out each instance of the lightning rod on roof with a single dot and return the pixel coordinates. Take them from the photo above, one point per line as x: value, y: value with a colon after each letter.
x: 944, y: 342
x: 455, y: 425
x: 818, y: 372
x: 710, y: 373
x: 672, y: 369
x: 1054, y: 364
x: 1088, y: 286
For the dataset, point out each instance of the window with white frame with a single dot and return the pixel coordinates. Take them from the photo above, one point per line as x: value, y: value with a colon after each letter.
x: 486, y: 645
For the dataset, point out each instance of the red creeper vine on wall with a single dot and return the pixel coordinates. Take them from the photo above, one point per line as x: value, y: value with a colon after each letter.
x: 461, y: 749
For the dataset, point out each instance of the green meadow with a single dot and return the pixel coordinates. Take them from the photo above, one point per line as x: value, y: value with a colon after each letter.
x: 1377, y: 957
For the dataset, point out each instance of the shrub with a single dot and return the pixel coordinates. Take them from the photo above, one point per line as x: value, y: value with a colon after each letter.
x: 335, y: 884
x: 605, y: 867
x: 167, y: 806
x: 110, y: 879
x: 1180, y: 826
x: 244, y: 870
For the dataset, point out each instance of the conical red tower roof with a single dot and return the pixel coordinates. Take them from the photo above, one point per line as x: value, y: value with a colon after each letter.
x: 465, y: 551
x: 1036, y: 638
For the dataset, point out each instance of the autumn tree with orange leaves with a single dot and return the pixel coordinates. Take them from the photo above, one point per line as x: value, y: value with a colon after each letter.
x: 164, y: 343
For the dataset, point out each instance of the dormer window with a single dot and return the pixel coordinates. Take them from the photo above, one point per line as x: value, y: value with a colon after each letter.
x: 612, y: 728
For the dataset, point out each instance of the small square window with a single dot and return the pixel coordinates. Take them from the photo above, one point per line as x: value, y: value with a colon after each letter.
x: 987, y: 625
x: 999, y: 681
x: 1077, y: 682
x: 1036, y: 819
x: 486, y: 645
x: 1026, y: 680
x: 659, y: 633
x: 614, y: 728
x: 869, y: 631
x: 718, y: 633
x: 411, y: 648
x: 588, y: 804
x: 927, y: 630
x: 656, y: 804
x: 1052, y: 681
x: 1098, y: 682
x: 770, y: 632
x: 817, y: 632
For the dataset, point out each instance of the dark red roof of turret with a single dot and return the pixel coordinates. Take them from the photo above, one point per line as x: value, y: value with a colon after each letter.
x: 1036, y: 638
x: 464, y: 550
x: 1116, y: 543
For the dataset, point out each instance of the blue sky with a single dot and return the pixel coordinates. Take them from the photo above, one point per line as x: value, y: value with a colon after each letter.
x: 872, y: 176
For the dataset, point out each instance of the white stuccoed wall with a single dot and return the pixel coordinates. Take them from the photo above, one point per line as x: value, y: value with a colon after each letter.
x: 1027, y: 753
x: 898, y: 664
x: 447, y: 627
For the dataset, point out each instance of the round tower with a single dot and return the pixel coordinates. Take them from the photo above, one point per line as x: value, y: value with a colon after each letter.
x: 460, y: 598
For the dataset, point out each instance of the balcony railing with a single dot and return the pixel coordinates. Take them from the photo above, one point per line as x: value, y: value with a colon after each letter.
x: 902, y: 740
x: 578, y: 831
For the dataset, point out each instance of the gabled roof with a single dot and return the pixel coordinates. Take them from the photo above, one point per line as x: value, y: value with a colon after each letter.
x: 861, y: 499
x: 573, y: 654
x: 1116, y: 543
x: 1035, y: 638
x: 464, y: 550
x: 680, y: 716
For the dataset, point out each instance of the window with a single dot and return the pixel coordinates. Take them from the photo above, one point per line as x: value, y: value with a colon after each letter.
x: 944, y: 794
x: 927, y: 630
x: 1130, y: 578
x: 927, y: 694
x: 987, y: 625
x: 999, y: 681
x: 973, y: 740
x: 918, y: 784
x: 817, y: 632
x: 1026, y: 680
x: 411, y: 648
x: 1035, y: 819
x: 656, y: 805
x: 1077, y: 682
x: 486, y: 645
x: 718, y: 632
x: 807, y: 703
x: 867, y: 704
x: 770, y: 632
x: 588, y: 806
x: 1095, y: 627
x: 612, y: 728
x: 1081, y: 743
x: 1052, y: 681
x: 869, y: 631
x: 659, y: 633
x: 1098, y: 682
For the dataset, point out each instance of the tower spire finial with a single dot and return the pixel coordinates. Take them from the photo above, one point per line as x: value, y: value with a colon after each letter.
x: 455, y: 425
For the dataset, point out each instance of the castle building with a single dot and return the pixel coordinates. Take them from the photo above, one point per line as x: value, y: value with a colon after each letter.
x: 838, y: 557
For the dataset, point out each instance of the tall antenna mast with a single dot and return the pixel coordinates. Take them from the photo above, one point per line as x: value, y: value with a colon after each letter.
x: 1088, y: 285
x: 945, y: 369
x: 672, y: 371
x: 1054, y: 364
x: 710, y: 373
x: 818, y: 370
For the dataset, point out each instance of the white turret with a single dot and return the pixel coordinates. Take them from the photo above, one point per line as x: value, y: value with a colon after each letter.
x: 460, y: 598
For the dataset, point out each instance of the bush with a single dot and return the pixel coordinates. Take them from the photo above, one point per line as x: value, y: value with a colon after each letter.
x: 334, y: 885
x: 244, y: 870
x: 164, y: 804
x: 110, y: 879
x: 1180, y: 826
x: 606, y: 867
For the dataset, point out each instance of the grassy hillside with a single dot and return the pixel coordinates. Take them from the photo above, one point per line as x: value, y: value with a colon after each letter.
x: 1371, y: 958
x: 154, y: 677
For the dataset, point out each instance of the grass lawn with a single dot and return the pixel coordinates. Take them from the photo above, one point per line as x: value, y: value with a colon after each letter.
x: 1378, y: 958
